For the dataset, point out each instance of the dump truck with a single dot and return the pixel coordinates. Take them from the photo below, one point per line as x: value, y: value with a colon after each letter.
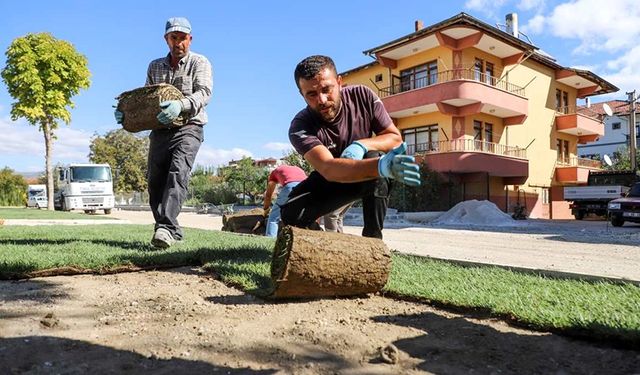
x: 87, y: 187
x: 602, y: 187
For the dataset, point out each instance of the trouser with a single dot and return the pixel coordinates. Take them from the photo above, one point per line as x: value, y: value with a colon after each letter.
x: 316, y: 196
x: 334, y: 221
x: 171, y: 156
x: 274, y: 214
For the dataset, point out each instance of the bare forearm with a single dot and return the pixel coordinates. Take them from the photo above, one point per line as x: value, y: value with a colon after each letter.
x: 383, y: 142
x: 347, y: 170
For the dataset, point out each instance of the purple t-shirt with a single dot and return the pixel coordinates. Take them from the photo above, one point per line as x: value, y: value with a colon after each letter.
x: 361, y: 116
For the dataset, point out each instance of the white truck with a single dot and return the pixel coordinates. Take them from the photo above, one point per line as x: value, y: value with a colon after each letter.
x: 602, y: 187
x: 37, y: 196
x: 87, y: 187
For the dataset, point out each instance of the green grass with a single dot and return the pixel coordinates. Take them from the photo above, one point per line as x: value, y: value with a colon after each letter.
x: 41, y: 214
x: 592, y: 309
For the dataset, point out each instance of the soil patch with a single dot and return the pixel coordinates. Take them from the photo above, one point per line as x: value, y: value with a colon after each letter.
x: 184, y: 321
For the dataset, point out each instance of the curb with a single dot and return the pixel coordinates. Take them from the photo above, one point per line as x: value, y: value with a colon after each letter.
x: 30, y: 222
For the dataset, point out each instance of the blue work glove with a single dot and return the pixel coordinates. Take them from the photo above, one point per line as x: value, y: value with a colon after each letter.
x: 119, y: 116
x: 170, y: 111
x: 354, y: 151
x: 400, y: 167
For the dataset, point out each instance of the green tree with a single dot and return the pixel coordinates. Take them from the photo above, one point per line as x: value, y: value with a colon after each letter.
x: 246, y: 178
x: 42, y: 74
x: 295, y: 159
x: 622, y: 160
x: 126, y: 153
x: 13, y: 188
x: 420, y: 198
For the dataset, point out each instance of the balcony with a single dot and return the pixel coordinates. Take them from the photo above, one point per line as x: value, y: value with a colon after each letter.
x: 583, y: 123
x: 473, y: 156
x: 459, y: 92
x: 575, y: 170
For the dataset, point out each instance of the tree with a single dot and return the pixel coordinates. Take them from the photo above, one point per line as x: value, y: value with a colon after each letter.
x: 126, y: 153
x: 42, y: 74
x: 296, y: 160
x: 246, y: 177
x: 622, y: 160
x: 13, y: 188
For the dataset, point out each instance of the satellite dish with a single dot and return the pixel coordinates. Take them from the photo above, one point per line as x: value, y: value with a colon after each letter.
x: 608, y: 111
x: 607, y: 159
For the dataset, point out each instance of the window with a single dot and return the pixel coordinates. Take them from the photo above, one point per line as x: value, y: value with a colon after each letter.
x: 424, y: 138
x: 545, y: 195
x: 482, y: 135
x: 378, y: 78
x: 488, y: 132
x: 484, y: 72
x: 488, y: 71
x: 616, y: 125
x: 477, y: 69
x: 562, y: 147
x: 562, y: 101
x: 477, y: 130
x: 419, y: 76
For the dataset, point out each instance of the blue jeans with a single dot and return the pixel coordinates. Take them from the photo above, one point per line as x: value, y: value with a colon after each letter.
x: 274, y: 215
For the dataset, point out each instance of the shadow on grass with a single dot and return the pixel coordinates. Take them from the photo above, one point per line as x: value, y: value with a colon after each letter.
x: 457, y: 345
x: 53, y: 355
x: 127, y: 245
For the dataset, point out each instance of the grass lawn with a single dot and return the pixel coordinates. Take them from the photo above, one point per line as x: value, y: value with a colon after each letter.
x: 597, y: 310
x: 40, y: 214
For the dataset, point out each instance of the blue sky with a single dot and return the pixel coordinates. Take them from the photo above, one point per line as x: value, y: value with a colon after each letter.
x: 254, y: 47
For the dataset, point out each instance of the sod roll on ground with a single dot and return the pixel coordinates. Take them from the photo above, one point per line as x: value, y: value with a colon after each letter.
x: 309, y: 264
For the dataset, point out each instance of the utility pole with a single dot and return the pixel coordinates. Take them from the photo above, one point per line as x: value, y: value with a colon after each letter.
x: 632, y: 129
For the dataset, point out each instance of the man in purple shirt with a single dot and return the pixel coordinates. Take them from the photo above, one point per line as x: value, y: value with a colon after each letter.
x: 348, y: 137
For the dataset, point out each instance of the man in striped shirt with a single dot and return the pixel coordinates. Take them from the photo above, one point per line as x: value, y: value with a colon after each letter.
x: 172, y: 151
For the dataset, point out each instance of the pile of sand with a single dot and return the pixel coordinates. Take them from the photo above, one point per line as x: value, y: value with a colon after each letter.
x: 476, y: 212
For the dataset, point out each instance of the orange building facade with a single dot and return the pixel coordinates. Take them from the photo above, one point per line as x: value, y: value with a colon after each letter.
x: 488, y: 111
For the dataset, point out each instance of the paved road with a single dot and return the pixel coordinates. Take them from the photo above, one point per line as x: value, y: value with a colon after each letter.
x: 583, y: 248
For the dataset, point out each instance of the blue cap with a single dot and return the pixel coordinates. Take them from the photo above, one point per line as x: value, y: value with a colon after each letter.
x: 180, y: 24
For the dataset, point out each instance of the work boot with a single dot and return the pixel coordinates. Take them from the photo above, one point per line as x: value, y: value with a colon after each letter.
x: 162, y: 238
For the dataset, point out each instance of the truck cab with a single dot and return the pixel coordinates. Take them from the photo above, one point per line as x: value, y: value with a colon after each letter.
x: 626, y: 208
x: 87, y: 187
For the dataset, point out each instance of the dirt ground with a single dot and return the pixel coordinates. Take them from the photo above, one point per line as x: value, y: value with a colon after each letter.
x: 185, y: 321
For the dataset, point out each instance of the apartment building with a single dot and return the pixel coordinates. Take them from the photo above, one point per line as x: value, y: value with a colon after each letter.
x: 491, y: 113
x: 616, y: 133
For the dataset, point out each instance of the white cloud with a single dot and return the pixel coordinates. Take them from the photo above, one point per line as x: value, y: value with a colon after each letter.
x: 535, y: 25
x: 277, y: 146
x: 22, y: 145
x: 527, y: 5
x: 624, y: 69
x: 208, y: 156
x: 607, y: 31
x: 488, y: 7
x: 611, y: 26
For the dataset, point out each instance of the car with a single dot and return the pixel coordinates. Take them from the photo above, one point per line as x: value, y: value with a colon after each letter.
x: 626, y: 208
x: 39, y: 201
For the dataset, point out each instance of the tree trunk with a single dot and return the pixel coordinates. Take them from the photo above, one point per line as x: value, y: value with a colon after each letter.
x: 250, y: 221
x: 48, y: 146
x: 309, y: 263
